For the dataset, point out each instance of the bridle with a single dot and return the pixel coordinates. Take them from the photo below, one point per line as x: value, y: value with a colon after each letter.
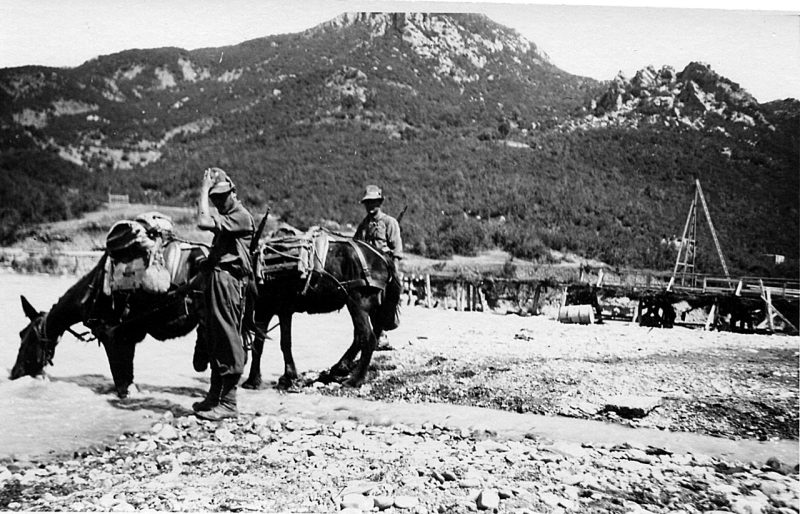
x: 47, y: 345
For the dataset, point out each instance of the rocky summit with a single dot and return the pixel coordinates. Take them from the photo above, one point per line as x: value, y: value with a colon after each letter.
x: 696, y: 98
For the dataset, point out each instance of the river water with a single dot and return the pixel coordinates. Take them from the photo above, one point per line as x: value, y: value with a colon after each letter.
x: 76, y: 406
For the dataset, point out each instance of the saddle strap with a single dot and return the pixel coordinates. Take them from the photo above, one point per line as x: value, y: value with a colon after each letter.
x: 364, y: 266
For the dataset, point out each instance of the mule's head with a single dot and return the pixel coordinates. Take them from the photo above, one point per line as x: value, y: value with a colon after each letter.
x: 36, y: 349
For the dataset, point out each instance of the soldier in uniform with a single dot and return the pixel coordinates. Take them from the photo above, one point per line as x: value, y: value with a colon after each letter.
x: 228, y: 269
x: 378, y: 228
x: 381, y: 231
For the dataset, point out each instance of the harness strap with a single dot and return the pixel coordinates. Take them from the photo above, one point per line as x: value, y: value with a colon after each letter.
x: 48, y: 345
x: 364, y: 266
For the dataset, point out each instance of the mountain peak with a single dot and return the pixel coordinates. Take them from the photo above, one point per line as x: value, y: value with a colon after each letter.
x: 431, y: 33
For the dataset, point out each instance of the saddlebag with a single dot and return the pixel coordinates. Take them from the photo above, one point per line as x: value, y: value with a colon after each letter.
x: 292, y: 255
x: 136, y: 260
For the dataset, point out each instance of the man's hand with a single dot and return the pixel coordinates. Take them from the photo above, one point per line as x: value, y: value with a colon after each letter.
x: 209, y: 176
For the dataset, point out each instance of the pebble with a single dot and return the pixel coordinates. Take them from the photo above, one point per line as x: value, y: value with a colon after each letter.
x: 107, y: 501
x: 771, y: 488
x: 405, y: 502
x: 356, y: 501
x: 490, y: 446
x: 469, y: 483
x: 383, y: 502
x: 749, y: 505
x: 505, y: 494
x: 223, y: 435
x: 488, y: 499
x: 168, y: 432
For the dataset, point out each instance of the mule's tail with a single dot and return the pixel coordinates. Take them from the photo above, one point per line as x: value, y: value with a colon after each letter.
x: 389, y: 313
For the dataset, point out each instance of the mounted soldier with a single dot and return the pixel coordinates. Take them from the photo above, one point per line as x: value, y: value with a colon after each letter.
x: 228, y: 270
x: 381, y: 231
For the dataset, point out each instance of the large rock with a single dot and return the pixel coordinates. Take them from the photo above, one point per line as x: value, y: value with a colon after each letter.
x: 629, y: 406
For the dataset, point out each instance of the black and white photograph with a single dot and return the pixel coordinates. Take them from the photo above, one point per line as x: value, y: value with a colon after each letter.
x: 404, y: 257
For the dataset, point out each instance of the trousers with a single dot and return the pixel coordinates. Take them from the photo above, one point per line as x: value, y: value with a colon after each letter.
x: 224, y: 306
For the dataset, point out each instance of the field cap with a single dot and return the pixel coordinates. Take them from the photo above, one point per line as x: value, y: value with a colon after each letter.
x: 372, y: 193
x: 222, y: 183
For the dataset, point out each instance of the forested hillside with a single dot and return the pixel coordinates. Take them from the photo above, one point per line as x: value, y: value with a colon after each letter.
x: 462, y: 120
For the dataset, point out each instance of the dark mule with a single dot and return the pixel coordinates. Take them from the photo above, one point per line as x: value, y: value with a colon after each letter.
x: 342, y: 283
x: 118, y: 323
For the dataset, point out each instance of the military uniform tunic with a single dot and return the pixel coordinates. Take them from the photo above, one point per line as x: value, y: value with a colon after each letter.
x: 229, y: 269
x: 381, y: 231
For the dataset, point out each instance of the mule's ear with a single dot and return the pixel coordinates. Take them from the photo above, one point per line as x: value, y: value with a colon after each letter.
x: 28, y: 309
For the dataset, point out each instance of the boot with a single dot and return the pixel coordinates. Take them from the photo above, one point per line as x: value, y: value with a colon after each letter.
x: 212, y: 396
x: 226, y: 408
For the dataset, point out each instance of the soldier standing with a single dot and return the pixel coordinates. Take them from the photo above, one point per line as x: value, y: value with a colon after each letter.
x: 228, y: 269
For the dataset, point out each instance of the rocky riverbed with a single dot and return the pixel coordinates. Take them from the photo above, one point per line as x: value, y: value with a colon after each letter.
x: 265, y: 463
x: 386, y: 447
x: 736, y: 386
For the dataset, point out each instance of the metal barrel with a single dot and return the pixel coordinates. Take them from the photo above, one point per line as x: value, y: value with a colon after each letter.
x: 581, y: 314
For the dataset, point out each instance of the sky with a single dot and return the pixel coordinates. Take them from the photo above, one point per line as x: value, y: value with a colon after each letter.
x: 759, y: 49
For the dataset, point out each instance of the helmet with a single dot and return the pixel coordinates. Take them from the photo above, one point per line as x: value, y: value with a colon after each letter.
x: 372, y: 193
x: 222, y: 182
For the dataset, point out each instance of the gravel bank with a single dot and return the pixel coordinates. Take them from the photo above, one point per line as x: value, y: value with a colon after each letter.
x: 265, y: 463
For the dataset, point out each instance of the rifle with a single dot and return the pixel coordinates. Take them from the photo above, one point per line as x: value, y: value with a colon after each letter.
x: 259, y: 232
x: 402, y: 213
x: 249, y: 317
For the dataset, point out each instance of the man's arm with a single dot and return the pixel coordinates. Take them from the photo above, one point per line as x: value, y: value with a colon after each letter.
x: 393, y: 238
x: 204, y: 219
x: 359, y: 235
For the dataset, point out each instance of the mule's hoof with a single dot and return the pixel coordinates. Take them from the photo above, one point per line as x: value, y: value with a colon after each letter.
x: 339, y: 370
x: 252, y: 384
x: 353, y: 382
x: 129, y: 392
x: 326, y: 377
x: 286, y: 383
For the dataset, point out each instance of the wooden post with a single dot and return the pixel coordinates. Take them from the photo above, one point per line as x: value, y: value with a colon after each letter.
x: 536, y: 295
x: 458, y: 296
x: 428, y: 299
x: 484, y: 306
x: 473, y: 297
x: 770, y: 313
x: 636, y: 311
x: 739, y: 289
x: 766, y: 296
x: 711, y: 316
x: 600, y: 277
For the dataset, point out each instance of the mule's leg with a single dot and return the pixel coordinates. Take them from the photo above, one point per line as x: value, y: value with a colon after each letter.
x: 120, y: 359
x: 254, y: 378
x: 345, y: 364
x: 289, y: 369
x: 365, y: 338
